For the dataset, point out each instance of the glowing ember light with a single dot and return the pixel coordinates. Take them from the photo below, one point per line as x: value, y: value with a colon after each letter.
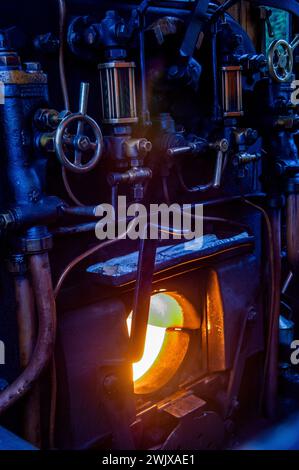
x: 153, y: 344
x: 171, y: 316
x: 165, y: 311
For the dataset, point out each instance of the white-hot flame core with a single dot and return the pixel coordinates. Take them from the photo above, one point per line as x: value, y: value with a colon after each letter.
x: 153, y: 344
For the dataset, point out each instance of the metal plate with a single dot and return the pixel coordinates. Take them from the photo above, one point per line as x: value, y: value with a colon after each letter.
x: 204, y: 432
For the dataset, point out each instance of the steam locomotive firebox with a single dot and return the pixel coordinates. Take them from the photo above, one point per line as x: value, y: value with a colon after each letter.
x: 148, y: 222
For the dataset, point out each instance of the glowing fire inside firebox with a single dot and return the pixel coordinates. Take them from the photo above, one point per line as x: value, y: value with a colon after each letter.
x: 153, y: 344
x: 164, y: 330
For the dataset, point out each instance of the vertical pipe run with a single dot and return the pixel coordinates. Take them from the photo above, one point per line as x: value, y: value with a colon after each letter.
x: 42, y: 284
x: 27, y: 337
x: 25, y: 317
x: 43, y: 351
x: 215, y: 109
x: 144, y: 106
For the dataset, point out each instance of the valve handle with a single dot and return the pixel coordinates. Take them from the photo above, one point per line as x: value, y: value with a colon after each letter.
x: 69, y: 148
x: 281, y: 60
x: 295, y: 42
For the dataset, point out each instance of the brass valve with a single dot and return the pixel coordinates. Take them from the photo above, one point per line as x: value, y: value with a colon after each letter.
x: 135, y: 148
x: 132, y: 176
x: 78, y: 149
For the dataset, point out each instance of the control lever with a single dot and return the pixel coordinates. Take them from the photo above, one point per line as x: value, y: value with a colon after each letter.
x: 295, y: 42
x: 195, y: 28
x: 218, y: 169
x: 72, y: 150
x: 197, y: 147
x: 265, y: 14
x: 221, y: 148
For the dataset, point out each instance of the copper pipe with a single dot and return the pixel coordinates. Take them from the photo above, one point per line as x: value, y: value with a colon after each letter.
x: 27, y: 336
x: 25, y: 317
x: 42, y: 285
x: 82, y: 257
x: 292, y: 220
x: 53, y: 404
x: 32, y: 417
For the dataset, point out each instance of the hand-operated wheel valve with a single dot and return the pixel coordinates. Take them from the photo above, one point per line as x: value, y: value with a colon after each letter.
x: 81, y: 152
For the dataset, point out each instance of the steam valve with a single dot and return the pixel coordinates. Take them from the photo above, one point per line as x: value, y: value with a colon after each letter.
x: 81, y: 152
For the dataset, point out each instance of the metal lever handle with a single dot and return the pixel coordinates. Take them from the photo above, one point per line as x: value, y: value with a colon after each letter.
x: 221, y: 147
x: 174, y: 151
x: 269, y: 27
x: 218, y: 169
x: 197, y: 147
x: 295, y: 42
x: 83, y: 101
x: 194, y: 29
